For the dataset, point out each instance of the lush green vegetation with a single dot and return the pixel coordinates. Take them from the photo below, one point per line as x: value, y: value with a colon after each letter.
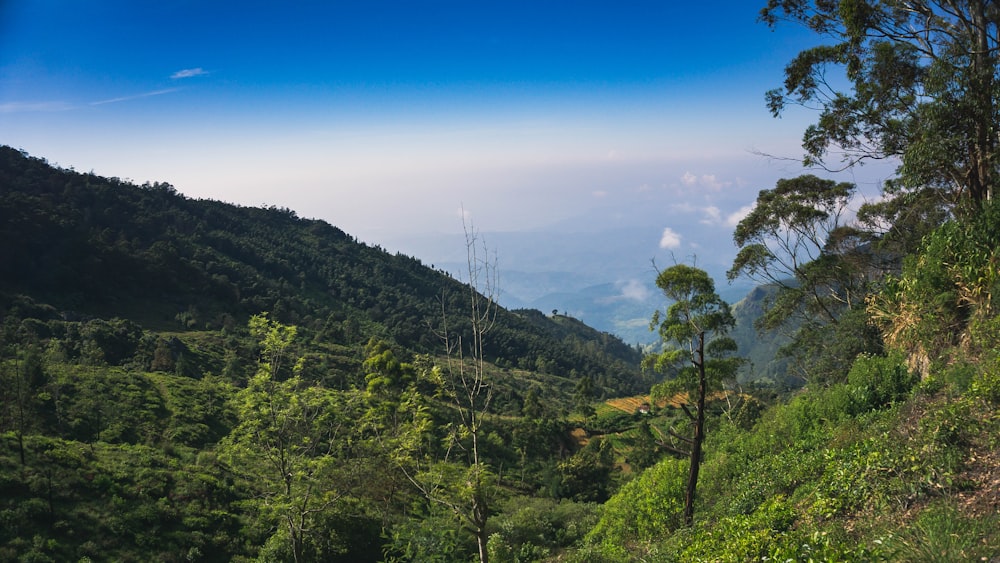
x: 189, y: 380
x: 889, y: 453
x: 260, y: 439
x: 103, y: 249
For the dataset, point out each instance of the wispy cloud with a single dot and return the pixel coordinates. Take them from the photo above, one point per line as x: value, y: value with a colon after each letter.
x: 631, y: 290
x: 135, y: 97
x: 712, y: 215
x: 709, y: 181
x: 734, y: 218
x: 635, y: 290
x: 25, y: 107
x: 188, y: 73
x: 670, y: 239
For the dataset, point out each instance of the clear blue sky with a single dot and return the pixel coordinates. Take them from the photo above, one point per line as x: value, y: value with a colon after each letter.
x: 387, y: 117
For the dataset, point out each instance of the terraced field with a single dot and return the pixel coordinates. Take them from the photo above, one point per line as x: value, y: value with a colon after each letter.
x: 632, y: 404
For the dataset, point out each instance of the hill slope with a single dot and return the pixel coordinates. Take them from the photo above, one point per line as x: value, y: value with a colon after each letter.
x: 100, y: 247
x: 760, y: 349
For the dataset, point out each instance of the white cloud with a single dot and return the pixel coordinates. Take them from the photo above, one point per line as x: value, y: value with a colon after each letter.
x: 670, y: 239
x: 634, y: 290
x: 188, y: 73
x: 734, y: 218
x: 708, y: 181
x: 600, y: 193
x: 712, y: 215
x: 711, y: 182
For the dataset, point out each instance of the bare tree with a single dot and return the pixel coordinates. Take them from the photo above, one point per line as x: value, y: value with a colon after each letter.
x: 461, y: 479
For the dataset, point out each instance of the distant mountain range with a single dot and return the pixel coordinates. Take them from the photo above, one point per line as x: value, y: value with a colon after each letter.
x: 610, y: 286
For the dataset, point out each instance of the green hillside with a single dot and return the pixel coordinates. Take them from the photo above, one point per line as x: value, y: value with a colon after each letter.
x: 158, y: 352
x: 762, y: 349
x: 186, y: 380
x: 98, y: 247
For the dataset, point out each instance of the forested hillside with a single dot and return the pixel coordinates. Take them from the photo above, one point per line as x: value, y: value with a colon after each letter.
x: 103, y: 248
x: 193, y: 380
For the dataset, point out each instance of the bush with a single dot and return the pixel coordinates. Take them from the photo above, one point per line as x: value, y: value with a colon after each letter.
x: 824, y: 546
x: 986, y: 384
x: 736, y: 538
x: 958, y: 377
x: 528, y: 529
x: 944, y: 293
x: 645, y: 509
x: 877, y: 381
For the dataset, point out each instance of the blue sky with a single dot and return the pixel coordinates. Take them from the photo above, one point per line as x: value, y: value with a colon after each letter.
x: 387, y: 118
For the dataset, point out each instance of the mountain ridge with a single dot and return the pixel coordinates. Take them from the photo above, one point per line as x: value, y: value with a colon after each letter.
x: 104, y: 247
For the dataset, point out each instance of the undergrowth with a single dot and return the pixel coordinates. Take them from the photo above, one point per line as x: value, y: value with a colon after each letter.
x: 866, y: 470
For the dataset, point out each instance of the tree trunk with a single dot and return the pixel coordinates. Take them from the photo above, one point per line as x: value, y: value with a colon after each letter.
x: 699, y: 437
x: 983, y: 149
x: 481, y: 540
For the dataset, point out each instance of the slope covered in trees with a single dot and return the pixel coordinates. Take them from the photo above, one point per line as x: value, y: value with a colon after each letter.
x: 890, y: 452
x: 104, y: 248
x: 893, y: 459
x: 193, y: 380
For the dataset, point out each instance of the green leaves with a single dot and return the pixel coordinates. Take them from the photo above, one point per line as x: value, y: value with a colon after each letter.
x: 696, y: 307
x: 794, y: 240
x: 273, y: 338
x: 696, y: 312
x: 644, y: 509
x: 291, y: 444
x: 922, y: 81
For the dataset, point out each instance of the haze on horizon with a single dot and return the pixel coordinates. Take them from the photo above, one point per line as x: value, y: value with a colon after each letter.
x: 387, y: 118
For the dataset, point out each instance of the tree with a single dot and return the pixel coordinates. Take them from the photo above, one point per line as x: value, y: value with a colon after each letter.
x: 697, y: 358
x: 397, y: 419
x: 386, y: 376
x: 923, y: 83
x: 796, y: 239
x: 287, y: 445
x: 583, y: 396
x: 21, y: 381
x: 468, y: 492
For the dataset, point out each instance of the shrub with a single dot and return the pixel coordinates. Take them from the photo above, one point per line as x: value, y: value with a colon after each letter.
x: 986, y: 384
x: 824, y: 546
x: 748, y: 537
x: 528, y: 529
x: 644, y: 509
x: 949, y: 426
x: 877, y: 381
x: 944, y: 292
